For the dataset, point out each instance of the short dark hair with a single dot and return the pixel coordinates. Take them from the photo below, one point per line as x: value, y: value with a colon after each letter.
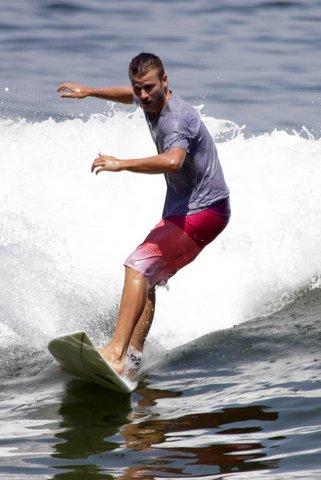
x: 143, y: 63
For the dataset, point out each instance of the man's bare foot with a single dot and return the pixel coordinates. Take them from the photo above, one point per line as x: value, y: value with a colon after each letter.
x: 112, y: 356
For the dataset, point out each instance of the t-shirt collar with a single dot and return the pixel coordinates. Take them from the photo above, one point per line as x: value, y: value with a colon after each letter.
x: 166, y: 106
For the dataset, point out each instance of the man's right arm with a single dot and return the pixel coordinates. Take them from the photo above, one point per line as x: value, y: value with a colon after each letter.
x: 122, y: 94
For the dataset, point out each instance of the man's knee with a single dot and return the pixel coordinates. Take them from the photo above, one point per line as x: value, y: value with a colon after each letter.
x: 136, y: 278
x: 130, y: 271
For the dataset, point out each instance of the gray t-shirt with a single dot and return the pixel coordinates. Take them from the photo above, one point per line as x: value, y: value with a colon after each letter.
x: 199, y: 183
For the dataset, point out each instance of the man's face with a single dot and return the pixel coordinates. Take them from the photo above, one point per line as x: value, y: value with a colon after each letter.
x: 151, y: 91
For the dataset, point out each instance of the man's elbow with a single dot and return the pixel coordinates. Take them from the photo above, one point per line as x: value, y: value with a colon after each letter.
x: 175, y: 164
x: 175, y: 159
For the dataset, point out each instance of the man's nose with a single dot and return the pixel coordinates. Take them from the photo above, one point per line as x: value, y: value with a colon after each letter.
x: 143, y: 94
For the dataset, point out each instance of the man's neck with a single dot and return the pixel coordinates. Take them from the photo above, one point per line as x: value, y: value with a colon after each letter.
x: 167, y: 96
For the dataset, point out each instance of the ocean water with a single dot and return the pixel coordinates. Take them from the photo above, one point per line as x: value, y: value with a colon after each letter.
x: 232, y: 365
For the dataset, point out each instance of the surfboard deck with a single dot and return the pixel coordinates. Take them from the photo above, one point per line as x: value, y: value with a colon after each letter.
x: 78, y: 356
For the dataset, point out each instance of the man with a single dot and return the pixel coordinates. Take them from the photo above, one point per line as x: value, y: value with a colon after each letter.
x: 196, y: 207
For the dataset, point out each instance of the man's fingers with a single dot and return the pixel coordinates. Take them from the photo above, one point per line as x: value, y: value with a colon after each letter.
x: 68, y: 90
x: 97, y: 168
x: 100, y: 160
x: 62, y: 87
x: 97, y: 163
x: 105, y: 163
x: 94, y: 168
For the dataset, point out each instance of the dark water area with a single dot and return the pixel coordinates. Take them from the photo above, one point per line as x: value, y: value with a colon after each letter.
x: 238, y: 403
x: 254, y: 62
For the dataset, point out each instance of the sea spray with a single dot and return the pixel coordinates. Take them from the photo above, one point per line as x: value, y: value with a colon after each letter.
x: 66, y: 232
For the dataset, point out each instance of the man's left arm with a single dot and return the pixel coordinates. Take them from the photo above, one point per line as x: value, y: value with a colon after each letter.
x: 169, y: 161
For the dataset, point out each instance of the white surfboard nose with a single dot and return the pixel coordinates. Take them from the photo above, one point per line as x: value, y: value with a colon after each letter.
x: 78, y: 356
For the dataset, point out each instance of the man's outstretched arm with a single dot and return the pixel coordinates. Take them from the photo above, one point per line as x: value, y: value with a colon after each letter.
x: 168, y: 161
x: 122, y: 94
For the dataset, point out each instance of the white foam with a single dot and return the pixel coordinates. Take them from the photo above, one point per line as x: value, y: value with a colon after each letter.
x: 66, y: 232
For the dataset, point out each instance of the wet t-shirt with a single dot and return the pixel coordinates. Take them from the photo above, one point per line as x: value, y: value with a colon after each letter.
x: 199, y: 183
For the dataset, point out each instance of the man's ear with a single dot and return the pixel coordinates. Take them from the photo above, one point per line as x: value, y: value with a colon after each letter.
x: 165, y: 80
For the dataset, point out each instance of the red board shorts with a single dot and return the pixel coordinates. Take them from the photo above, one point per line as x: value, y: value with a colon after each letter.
x: 176, y: 241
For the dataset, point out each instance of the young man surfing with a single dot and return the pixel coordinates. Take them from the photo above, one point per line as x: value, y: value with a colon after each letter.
x: 196, y: 207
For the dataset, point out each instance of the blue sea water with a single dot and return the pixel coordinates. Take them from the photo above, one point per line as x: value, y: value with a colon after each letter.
x: 233, y: 360
x: 255, y: 62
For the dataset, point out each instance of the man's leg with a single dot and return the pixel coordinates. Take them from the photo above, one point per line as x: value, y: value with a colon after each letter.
x: 132, y: 306
x: 143, y: 325
x: 139, y: 335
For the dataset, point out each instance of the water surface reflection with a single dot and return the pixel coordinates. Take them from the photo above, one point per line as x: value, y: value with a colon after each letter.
x: 104, y: 435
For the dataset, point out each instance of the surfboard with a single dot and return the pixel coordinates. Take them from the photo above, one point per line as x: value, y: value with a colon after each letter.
x: 78, y: 356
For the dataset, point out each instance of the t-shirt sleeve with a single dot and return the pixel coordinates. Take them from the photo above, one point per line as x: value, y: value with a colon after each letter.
x: 175, y: 133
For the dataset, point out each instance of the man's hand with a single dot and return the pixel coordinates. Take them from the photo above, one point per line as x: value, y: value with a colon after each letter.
x: 106, y: 163
x: 73, y: 90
